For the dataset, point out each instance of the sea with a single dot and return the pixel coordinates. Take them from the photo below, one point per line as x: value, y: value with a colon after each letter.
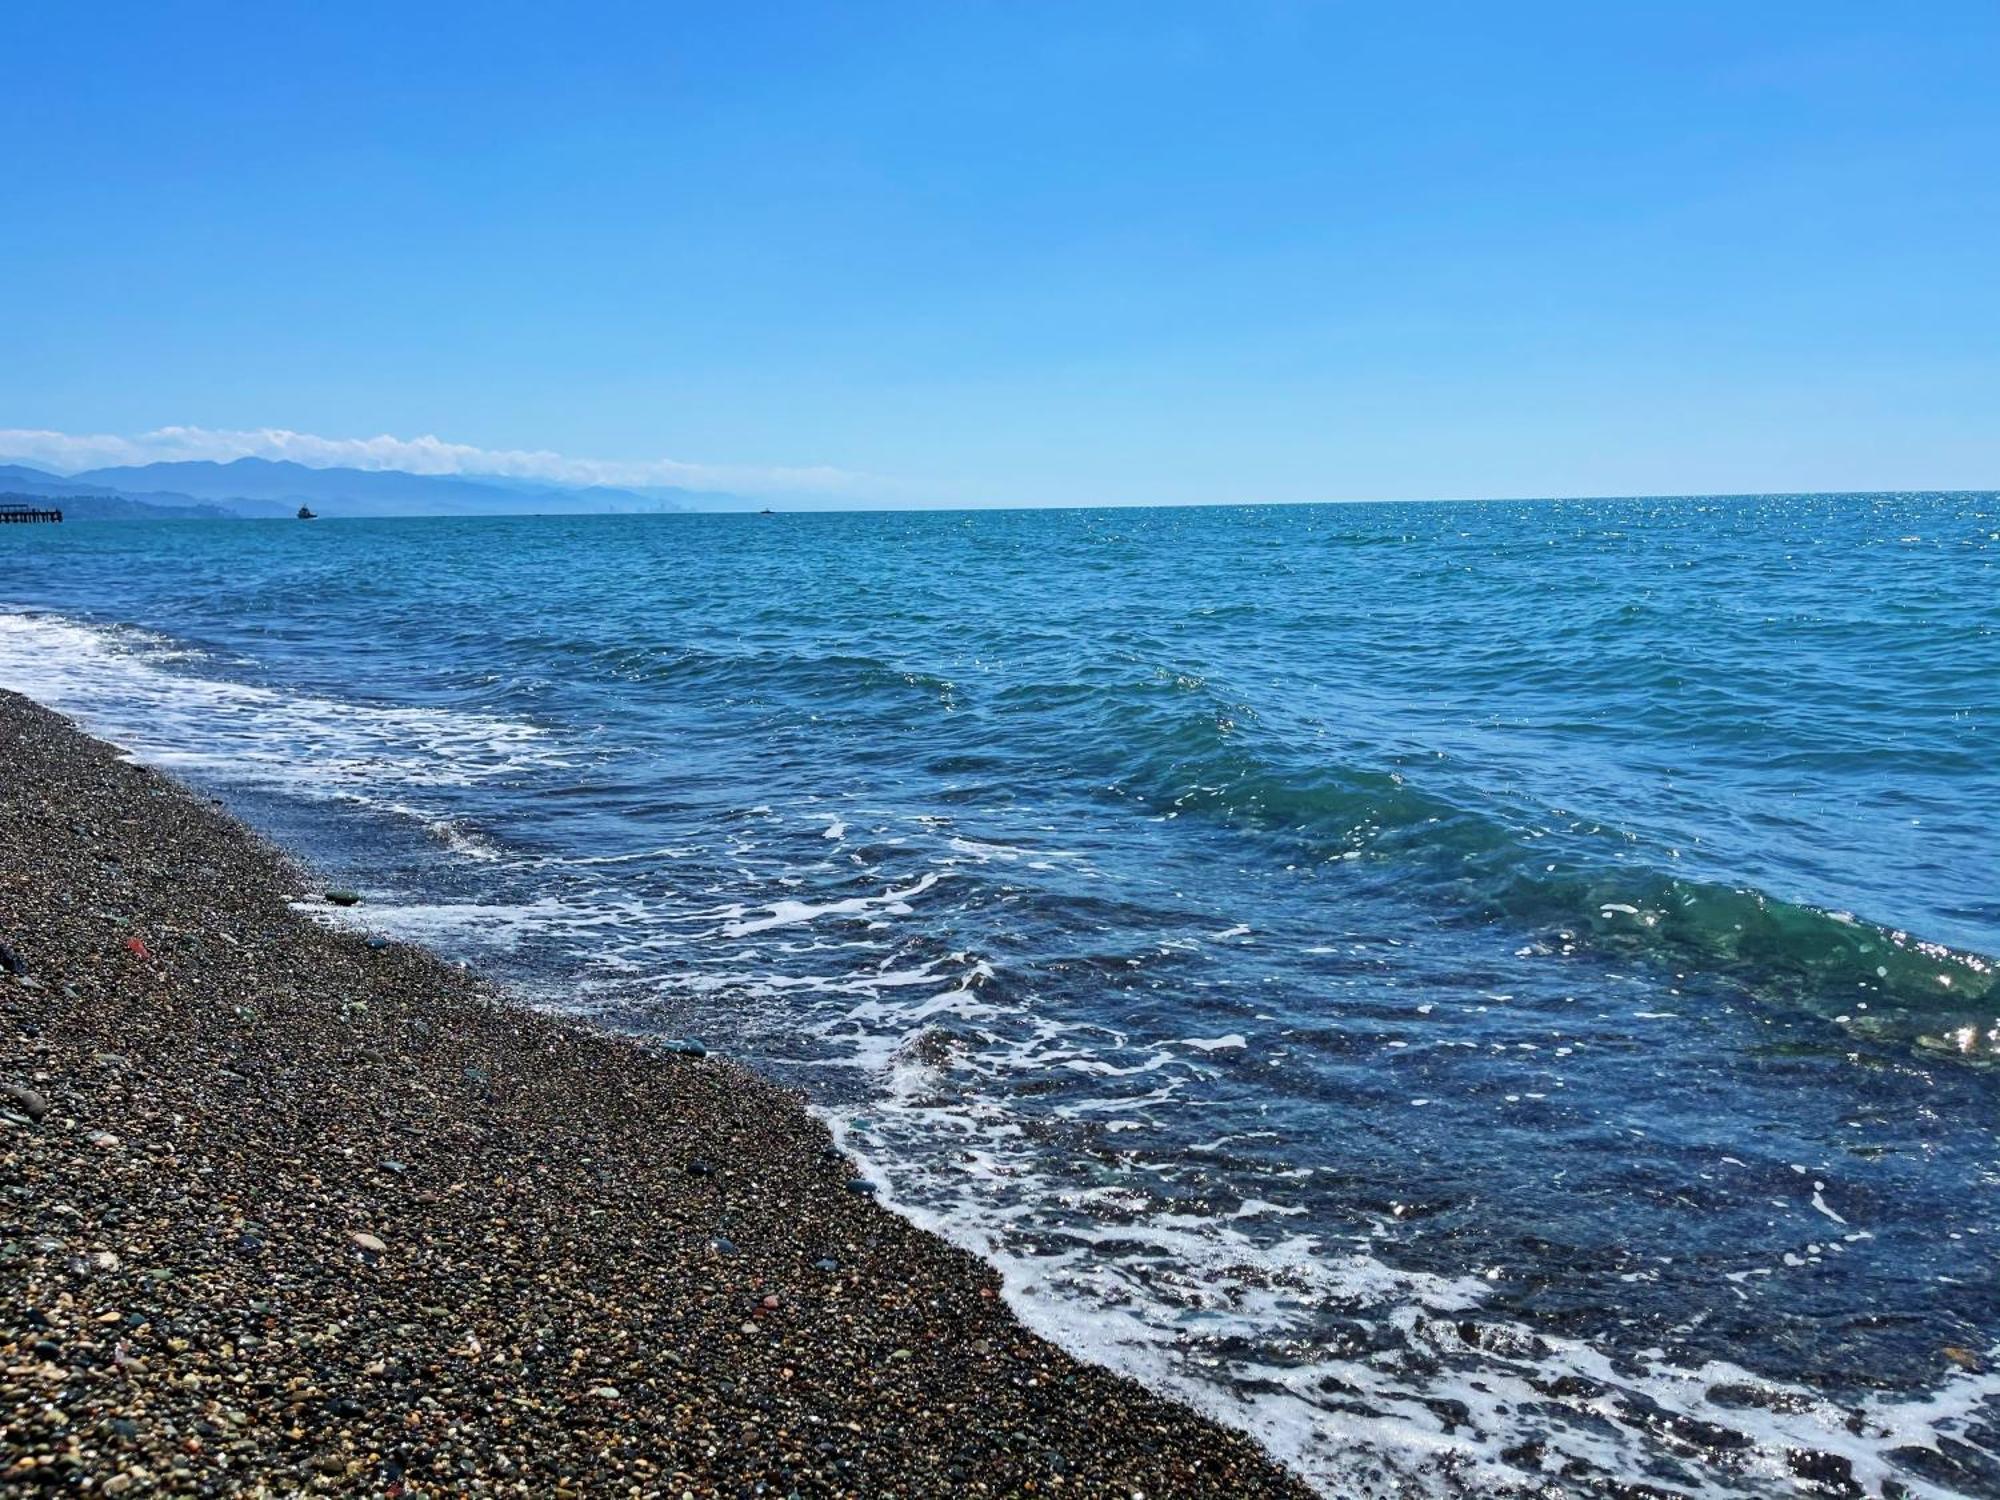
x: 1492, y: 999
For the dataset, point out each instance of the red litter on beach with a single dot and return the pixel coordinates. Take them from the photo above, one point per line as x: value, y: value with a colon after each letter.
x: 138, y: 946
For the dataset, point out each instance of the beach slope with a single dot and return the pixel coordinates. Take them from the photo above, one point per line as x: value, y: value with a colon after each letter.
x: 289, y: 1212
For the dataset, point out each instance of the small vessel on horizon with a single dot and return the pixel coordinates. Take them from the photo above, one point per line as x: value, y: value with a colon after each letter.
x: 306, y: 513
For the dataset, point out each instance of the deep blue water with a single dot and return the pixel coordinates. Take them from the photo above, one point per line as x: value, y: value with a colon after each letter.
x: 1490, y: 997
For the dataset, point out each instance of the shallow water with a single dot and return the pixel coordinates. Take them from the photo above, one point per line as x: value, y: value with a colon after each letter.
x: 1488, y: 997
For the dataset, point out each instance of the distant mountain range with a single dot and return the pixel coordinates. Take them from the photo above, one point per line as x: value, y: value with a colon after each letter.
x: 260, y: 487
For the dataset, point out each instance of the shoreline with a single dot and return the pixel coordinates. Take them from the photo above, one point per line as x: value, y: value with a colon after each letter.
x: 297, y: 1210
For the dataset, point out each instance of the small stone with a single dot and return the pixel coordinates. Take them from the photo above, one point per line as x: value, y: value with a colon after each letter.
x: 748, y: 1328
x: 344, y: 897
x: 367, y: 1242
x: 103, y: 1140
x: 605, y: 1392
x: 722, y: 1245
x: 30, y: 1103
x: 861, y: 1185
x: 700, y: 1169
x: 826, y: 1263
x: 12, y: 962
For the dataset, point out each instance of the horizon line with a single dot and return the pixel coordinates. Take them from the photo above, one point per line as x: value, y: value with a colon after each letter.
x: 1900, y: 492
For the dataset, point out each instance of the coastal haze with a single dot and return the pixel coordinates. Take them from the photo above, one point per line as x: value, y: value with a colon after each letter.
x: 261, y: 488
x: 1479, y: 996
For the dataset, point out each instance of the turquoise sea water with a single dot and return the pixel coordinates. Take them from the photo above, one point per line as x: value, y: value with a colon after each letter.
x: 1492, y: 998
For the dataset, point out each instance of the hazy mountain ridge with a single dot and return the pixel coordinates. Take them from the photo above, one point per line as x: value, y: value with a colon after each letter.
x: 258, y: 487
x: 19, y: 479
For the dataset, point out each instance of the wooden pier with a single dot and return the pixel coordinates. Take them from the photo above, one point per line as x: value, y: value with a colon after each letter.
x: 12, y: 513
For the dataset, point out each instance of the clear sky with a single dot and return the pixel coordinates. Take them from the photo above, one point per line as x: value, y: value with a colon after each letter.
x: 1023, y: 253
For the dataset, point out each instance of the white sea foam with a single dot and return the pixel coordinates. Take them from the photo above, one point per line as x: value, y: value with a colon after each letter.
x: 791, y: 913
x: 633, y: 856
x: 453, y: 834
x: 1226, y: 1307
x: 151, y: 697
x: 1159, y: 1293
x: 494, y: 925
x: 1234, y: 1041
x: 1371, y: 1425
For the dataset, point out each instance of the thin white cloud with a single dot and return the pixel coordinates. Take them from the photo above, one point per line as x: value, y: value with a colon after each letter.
x: 69, y: 452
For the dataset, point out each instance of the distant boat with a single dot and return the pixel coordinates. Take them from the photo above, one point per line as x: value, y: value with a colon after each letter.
x: 306, y: 513
x: 766, y: 512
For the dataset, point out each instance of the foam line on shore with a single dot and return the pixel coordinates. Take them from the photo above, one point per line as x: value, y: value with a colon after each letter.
x: 351, y: 1221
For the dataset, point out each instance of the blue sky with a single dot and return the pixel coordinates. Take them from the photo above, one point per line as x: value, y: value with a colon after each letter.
x: 1019, y: 253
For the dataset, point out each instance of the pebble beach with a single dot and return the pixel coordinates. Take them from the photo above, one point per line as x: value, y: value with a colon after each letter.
x: 292, y: 1210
